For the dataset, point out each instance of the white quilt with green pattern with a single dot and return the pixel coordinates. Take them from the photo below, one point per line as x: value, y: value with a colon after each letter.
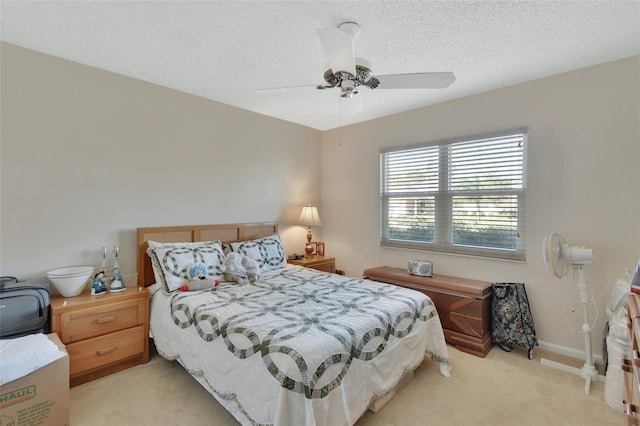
x: 298, y: 347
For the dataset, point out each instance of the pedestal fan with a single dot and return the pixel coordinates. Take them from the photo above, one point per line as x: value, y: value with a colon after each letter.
x: 559, y: 257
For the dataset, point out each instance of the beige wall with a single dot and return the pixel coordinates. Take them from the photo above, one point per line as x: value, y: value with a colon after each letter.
x: 583, y: 169
x: 88, y: 156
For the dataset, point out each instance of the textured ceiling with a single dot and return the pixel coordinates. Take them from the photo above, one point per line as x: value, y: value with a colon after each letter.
x: 224, y: 51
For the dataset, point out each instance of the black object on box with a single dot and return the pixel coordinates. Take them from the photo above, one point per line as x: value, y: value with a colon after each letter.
x: 511, y: 320
x: 24, y: 307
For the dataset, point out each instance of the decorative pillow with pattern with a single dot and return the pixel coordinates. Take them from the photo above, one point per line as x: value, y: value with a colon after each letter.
x: 267, y: 251
x: 157, y: 269
x: 173, y: 262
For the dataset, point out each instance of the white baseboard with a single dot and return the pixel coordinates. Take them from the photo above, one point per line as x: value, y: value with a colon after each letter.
x: 563, y: 350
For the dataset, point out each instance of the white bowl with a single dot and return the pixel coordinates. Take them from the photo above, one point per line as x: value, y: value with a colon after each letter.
x: 71, y: 280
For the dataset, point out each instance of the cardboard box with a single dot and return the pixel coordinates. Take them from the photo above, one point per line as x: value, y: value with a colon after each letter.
x: 39, y: 398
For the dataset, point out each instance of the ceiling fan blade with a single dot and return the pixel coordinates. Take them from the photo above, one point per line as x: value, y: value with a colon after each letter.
x: 422, y: 80
x: 338, y: 46
x: 287, y: 88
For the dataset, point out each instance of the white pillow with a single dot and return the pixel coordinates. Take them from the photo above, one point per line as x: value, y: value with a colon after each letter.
x: 171, y: 261
x: 267, y: 251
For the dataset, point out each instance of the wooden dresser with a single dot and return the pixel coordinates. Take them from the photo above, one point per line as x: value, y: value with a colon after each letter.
x: 464, y: 305
x: 631, y: 364
x: 103, y: 334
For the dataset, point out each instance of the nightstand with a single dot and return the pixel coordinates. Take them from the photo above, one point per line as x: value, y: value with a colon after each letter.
x: 103, y: 334
x: 321, y: 263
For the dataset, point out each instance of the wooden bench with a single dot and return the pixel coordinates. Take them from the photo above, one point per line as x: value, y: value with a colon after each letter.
x: 464, y: 305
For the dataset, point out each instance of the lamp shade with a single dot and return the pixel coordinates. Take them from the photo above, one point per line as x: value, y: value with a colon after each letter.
x: 309, y: 216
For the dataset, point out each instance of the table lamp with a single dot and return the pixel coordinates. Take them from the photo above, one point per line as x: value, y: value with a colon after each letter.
x: 309, y: 217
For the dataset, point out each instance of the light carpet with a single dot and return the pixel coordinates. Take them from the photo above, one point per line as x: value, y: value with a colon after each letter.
x: 501, y: 389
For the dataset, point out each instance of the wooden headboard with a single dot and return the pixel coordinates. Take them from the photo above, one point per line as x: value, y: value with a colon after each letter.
x: 177, y: 234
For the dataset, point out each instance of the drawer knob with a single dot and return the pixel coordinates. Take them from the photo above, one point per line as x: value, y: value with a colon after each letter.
x: 104, y: 320
x: 106, y: 350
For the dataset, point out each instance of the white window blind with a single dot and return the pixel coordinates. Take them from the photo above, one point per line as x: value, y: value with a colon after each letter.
x: 461, y: 196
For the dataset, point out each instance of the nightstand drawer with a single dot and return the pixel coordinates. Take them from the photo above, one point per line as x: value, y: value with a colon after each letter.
x: 93, y: 322
x: 325, y: 267
x: 103, y: 350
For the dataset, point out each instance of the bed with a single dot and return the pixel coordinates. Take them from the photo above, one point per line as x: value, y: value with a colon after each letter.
x: 297, y: 346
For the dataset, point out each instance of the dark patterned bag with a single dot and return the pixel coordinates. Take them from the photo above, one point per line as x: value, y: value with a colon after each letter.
x: 511, y: 320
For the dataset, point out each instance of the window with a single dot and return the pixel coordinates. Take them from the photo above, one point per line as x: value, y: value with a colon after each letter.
x: 462, y: 196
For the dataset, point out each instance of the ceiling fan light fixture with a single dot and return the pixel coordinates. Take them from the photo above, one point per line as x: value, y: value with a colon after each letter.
x: 331, y: 78
x: 349, y: 88
x: 344, y: 75
x: 363, y: 69
x: 349, y: 83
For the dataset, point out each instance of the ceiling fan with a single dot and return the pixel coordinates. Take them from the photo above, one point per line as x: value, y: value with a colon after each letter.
x: 349, y: 73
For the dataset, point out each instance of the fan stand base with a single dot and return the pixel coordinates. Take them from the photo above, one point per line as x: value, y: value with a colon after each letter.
x: 588, y: 372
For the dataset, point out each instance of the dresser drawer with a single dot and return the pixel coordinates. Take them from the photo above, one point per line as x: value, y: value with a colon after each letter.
x: 84, y: 324
x: 103, y: 350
